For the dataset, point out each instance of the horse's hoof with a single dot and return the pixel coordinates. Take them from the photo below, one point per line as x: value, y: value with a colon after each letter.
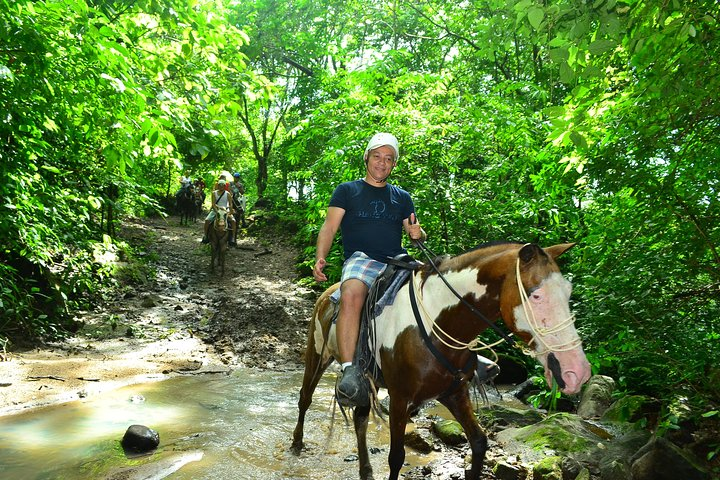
x: 296, y: 448
x: 367, y: 475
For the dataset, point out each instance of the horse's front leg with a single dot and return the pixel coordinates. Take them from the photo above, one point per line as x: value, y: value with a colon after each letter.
x: 398, y: 421
x: 460, y: 406
x: 223, y: 252
x: 360, y: 419
x: 315, y: 365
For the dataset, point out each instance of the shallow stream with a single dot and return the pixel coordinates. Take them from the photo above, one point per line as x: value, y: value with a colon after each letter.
x: 211, y: 427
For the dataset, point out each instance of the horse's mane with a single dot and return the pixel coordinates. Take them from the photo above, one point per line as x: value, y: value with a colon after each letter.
x: 494, y: 243
x: 441, y: 259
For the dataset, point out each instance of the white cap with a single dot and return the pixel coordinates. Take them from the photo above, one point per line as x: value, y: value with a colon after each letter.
x: 380, y: 140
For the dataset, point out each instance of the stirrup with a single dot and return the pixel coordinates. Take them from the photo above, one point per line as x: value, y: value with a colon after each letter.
x: 352, y: 390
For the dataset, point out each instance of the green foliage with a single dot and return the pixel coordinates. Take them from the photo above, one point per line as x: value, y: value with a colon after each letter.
x: 546, y: 399
x: 94, y: 100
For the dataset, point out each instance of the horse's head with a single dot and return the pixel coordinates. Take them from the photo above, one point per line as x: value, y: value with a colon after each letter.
x: 220, y: 223
x: 535, y: 304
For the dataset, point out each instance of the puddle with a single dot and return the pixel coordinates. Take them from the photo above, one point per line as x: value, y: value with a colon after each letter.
x: 241, y: 423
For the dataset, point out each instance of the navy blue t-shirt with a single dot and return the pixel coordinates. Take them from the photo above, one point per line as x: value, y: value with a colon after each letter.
x: 373, y: 220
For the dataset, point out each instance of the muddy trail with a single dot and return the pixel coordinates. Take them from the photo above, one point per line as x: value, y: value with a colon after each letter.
x: 255, y: 315
x: 173, y: 318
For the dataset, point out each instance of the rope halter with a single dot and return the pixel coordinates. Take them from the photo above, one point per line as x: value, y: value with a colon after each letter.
x: 539, y: 332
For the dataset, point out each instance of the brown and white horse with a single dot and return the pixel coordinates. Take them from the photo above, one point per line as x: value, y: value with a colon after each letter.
x: 521, y: 284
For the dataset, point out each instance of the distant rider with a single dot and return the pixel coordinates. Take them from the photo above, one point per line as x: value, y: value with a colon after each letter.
x: 221, y: 198
x: 238, y: 190
x: 185, y: 182
x: 200, y: 187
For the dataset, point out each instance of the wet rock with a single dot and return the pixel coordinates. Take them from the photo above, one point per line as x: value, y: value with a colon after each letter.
x: 129, y: 294
x: 140, y: 439
x: 150, y: 301
x: 615, y: 469
x: 584, y: 474
x: 498, y: 417
x: 419, y: 440
x: 560, y: 432
x: 614, y: 464
x: 596, y: 396
x: 163, y: 467
x: 632, y: 408
x: 571, y: 468
x: 505, y: 471
x: 189, y: 366
x: 449, y: 432
x: 548, y: 468
x: 527, y: 388
x: 660, y: 459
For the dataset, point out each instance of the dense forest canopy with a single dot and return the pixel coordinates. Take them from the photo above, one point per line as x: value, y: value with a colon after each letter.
x: 586, y: 121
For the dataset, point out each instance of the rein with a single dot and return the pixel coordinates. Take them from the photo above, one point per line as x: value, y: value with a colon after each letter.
x: 429, y: 254
x: 437, y: 330
x: 460, y: 375
x: 538, y: 332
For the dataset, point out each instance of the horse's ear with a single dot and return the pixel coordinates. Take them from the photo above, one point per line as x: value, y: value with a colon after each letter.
x: 528, y: 252
x: 557, y: 250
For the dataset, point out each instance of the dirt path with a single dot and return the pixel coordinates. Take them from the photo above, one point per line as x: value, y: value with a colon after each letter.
x: 182, y: 320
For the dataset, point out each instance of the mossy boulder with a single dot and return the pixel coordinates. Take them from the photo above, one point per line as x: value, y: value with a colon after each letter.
x: 549, y: 468
x: 630, y: 408
x: 449, y: 431
x: 561, y: 432
x: 501, y: 416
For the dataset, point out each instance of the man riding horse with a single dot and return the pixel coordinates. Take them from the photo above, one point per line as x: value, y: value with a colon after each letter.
x: 371, y: 215
x: 423, y: 345
x: 200, y: 192
x: 221, y: 197
x: 185, y: 201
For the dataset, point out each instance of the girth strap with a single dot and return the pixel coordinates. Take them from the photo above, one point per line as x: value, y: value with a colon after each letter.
x: 459, y: 375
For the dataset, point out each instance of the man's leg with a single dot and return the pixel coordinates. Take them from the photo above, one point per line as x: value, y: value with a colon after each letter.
x: 351, y: 391
x: 206, y: 228
x: 205, y: 238
x: 352, y: 299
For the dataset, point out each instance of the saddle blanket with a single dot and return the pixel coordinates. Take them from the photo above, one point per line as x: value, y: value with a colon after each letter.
x: 388, y: 296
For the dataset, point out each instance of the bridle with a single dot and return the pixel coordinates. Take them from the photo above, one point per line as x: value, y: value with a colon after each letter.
x: 219, y: 224
x: 538, y: 332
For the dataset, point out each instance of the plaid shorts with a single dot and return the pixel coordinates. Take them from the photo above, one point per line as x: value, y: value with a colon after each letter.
x: 361, y: 267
